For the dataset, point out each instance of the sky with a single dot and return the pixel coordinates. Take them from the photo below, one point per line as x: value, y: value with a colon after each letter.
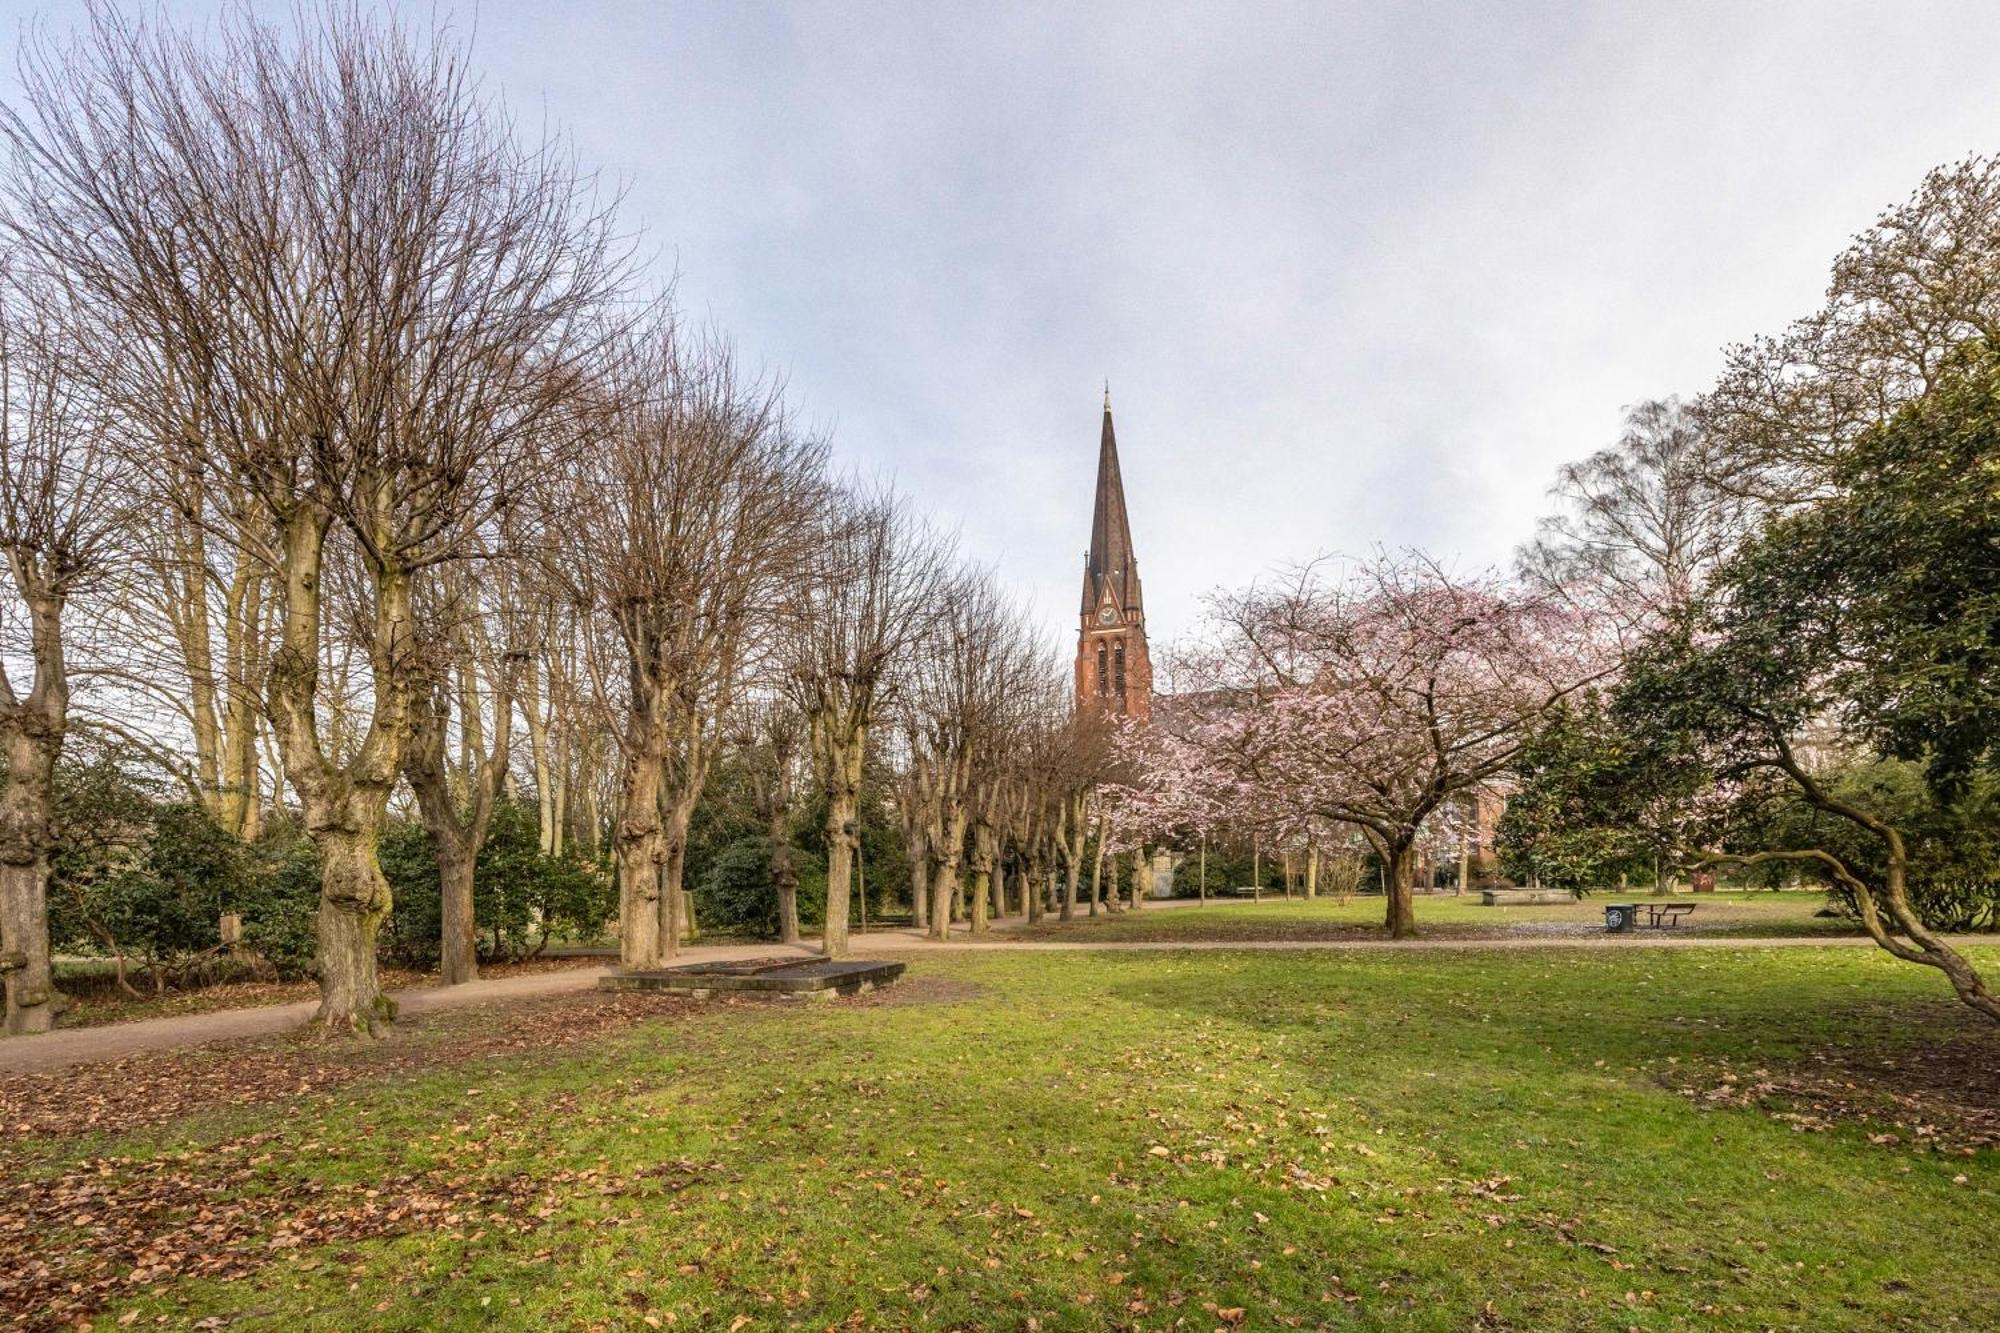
x: 1359, y: 276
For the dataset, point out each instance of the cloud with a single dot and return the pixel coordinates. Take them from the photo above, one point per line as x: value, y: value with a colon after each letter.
x: 1359, y: 275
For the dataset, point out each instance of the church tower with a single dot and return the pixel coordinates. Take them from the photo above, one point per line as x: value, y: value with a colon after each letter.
x: 1113, y: 672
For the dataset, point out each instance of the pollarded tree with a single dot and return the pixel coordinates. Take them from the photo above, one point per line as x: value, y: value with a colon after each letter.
x: 1004, y: 774
x: 685, y: 525
x: 966, y: 676
x: 1079, y: 762
x: 60, y: 525
x: 376, y: 297
x: 769, y: 735
x: 872, y: 583
x: 480, y: 631
x: 1035, y: 828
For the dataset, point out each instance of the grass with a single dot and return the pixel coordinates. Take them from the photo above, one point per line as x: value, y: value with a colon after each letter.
x: 1546, y: 1140
x: 1442, y: 917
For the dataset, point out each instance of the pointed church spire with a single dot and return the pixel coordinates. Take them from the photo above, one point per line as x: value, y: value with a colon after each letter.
x: 1111, y: 563
x: 1114, y: 672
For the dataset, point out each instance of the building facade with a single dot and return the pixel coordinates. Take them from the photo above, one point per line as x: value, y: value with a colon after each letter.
x: 1114, y: 673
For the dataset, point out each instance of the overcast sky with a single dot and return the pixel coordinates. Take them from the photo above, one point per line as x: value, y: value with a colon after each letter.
x: 1358, y: 275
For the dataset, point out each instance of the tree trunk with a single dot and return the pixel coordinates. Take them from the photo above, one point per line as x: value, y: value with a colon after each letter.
x: 840, y: 817
x: 538, y: 756
x: 920, y: 890
x: 354, y: 901
x: 456, y: 837
x: 24, y: 947
x: 1312, y: 872
x: 1398, y: 882
x: 843, y: 835
x: 944, y: 883
x: 1097, y: 874
x: 676, y: 919
x: 458, y: 953
x: 1072, y: 829
x: 983, y: 857
x: 26, y: 813
x: 785, y: 878
x: 242, y: 631
x: 640, y: 851
x: 981, y: 899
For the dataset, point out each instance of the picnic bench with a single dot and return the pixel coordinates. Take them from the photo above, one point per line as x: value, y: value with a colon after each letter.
x: 1664, y: 916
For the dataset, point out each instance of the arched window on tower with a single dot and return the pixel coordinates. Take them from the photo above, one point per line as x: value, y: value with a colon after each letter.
x: 1118, y: 670
x: 1103, y: 676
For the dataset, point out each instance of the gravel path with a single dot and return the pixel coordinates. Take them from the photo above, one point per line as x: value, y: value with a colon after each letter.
x: 112, y: 1041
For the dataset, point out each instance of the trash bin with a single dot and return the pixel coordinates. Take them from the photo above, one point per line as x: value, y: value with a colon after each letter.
x: 1620, y: 916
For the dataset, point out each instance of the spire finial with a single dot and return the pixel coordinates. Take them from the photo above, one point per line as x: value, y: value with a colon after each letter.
x: 1107, y: 395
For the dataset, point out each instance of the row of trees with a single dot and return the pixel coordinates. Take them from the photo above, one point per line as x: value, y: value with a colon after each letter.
x: 343, y: 446
x: 1761, y: 630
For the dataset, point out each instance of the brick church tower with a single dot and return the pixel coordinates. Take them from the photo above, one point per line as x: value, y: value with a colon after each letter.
x: 1113, y: 671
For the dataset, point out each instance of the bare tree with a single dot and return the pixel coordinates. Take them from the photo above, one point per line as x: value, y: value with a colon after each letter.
x: 875, y: 578
x: 688, y: 518
x: 968, y: 675
x: 770, y: 736
x: 480, y: 632
x: 376, y: 297
x: 1080, y: 761
x: 60, y: 520
x: 1642, y: 520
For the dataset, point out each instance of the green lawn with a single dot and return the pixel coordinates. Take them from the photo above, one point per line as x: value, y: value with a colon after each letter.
x: 1441, y: 916
x: 1532, y: 1140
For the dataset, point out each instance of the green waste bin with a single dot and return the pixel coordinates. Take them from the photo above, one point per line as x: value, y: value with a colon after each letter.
x: 1621, y: 917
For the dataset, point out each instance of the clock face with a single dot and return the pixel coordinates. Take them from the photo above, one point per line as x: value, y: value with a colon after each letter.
x: 1107, y: 613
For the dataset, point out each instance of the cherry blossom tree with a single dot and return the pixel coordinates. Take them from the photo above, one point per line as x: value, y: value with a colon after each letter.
x: 1370, y: 699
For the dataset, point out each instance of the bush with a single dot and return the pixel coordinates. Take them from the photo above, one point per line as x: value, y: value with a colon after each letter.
x: 738, y: 894
x: 150, y: 879
x: 410, y: 935
x: 520, y: 898
x: 281, y: 921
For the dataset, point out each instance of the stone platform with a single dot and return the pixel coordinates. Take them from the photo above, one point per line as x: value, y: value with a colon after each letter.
x: 769, y: 978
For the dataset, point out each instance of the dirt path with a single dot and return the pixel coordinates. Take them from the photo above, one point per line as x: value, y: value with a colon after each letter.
x: 112, y: 1041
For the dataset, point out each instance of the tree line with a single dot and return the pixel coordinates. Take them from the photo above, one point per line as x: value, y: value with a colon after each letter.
x: 348, y: 448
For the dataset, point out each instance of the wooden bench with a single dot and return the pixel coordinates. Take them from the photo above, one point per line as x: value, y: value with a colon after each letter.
x: 1525, y: 897
x: 1665, y: 916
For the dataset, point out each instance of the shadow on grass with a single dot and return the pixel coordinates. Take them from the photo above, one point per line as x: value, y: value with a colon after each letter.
x: 1837, y: 1035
